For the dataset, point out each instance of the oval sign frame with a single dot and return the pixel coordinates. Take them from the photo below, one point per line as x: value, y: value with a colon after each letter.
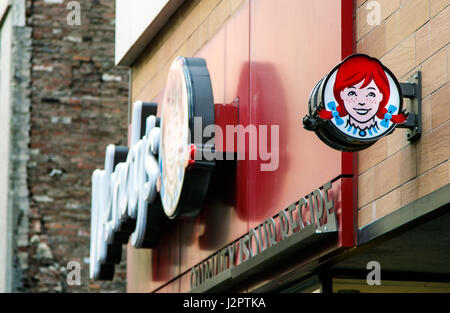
x: 334, y: 127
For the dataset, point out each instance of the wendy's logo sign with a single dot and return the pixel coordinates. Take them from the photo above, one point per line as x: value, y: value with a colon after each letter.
x: 184, y: 177
x: 356, y: 104
x: 362, y: 98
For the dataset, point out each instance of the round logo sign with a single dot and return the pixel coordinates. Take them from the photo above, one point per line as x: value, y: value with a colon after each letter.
x: 359, y: 102
x: 174, y: 152
x: 187, y: 109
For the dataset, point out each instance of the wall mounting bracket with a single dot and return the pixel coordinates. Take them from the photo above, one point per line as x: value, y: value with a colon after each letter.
x: 412, y: 90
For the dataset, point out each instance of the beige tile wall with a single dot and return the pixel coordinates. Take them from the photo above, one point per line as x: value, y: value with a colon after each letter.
x: 413, y: 35
x: 193, y: 25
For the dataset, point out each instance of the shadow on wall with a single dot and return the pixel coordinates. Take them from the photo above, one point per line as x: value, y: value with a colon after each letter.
x: 235, y: 185
x: 241, y: 185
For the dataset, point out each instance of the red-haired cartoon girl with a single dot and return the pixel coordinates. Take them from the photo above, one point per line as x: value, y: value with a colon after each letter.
x: 361, y: 89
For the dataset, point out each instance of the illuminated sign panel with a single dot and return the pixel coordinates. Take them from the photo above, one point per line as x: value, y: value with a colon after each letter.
x: 124, y: 197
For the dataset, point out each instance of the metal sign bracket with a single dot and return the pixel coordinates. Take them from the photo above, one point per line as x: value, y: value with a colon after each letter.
x: 412, y: 90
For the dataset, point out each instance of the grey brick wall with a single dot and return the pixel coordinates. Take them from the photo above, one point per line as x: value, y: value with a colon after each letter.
x: 19, y: 152
x: 70, y: 103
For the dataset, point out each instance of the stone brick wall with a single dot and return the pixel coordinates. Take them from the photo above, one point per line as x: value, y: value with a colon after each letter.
x: 79, y: 105
x: 412, y: 35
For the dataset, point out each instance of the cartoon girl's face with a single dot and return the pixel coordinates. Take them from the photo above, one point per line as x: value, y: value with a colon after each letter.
x: 362, y: 103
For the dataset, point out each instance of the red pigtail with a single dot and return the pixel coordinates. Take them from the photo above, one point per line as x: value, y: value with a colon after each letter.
x: 327, y: 115
x: 396, y: 119
x: 324, y: 114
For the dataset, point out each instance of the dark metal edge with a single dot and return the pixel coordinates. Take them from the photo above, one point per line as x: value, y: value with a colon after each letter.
x: 405, y: 215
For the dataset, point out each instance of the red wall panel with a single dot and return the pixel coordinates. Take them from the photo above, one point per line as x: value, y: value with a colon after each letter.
x: 290, y: 52
x: 269, y: 54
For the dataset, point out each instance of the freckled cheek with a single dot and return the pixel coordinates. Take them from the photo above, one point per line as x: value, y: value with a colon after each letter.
x: 374, y: 103
x: 349, y: 102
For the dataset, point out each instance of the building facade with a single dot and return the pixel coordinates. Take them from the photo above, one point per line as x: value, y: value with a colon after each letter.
x: 391, y: 199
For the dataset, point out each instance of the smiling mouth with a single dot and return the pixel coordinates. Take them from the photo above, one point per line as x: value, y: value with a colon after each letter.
x: 362, y: 111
